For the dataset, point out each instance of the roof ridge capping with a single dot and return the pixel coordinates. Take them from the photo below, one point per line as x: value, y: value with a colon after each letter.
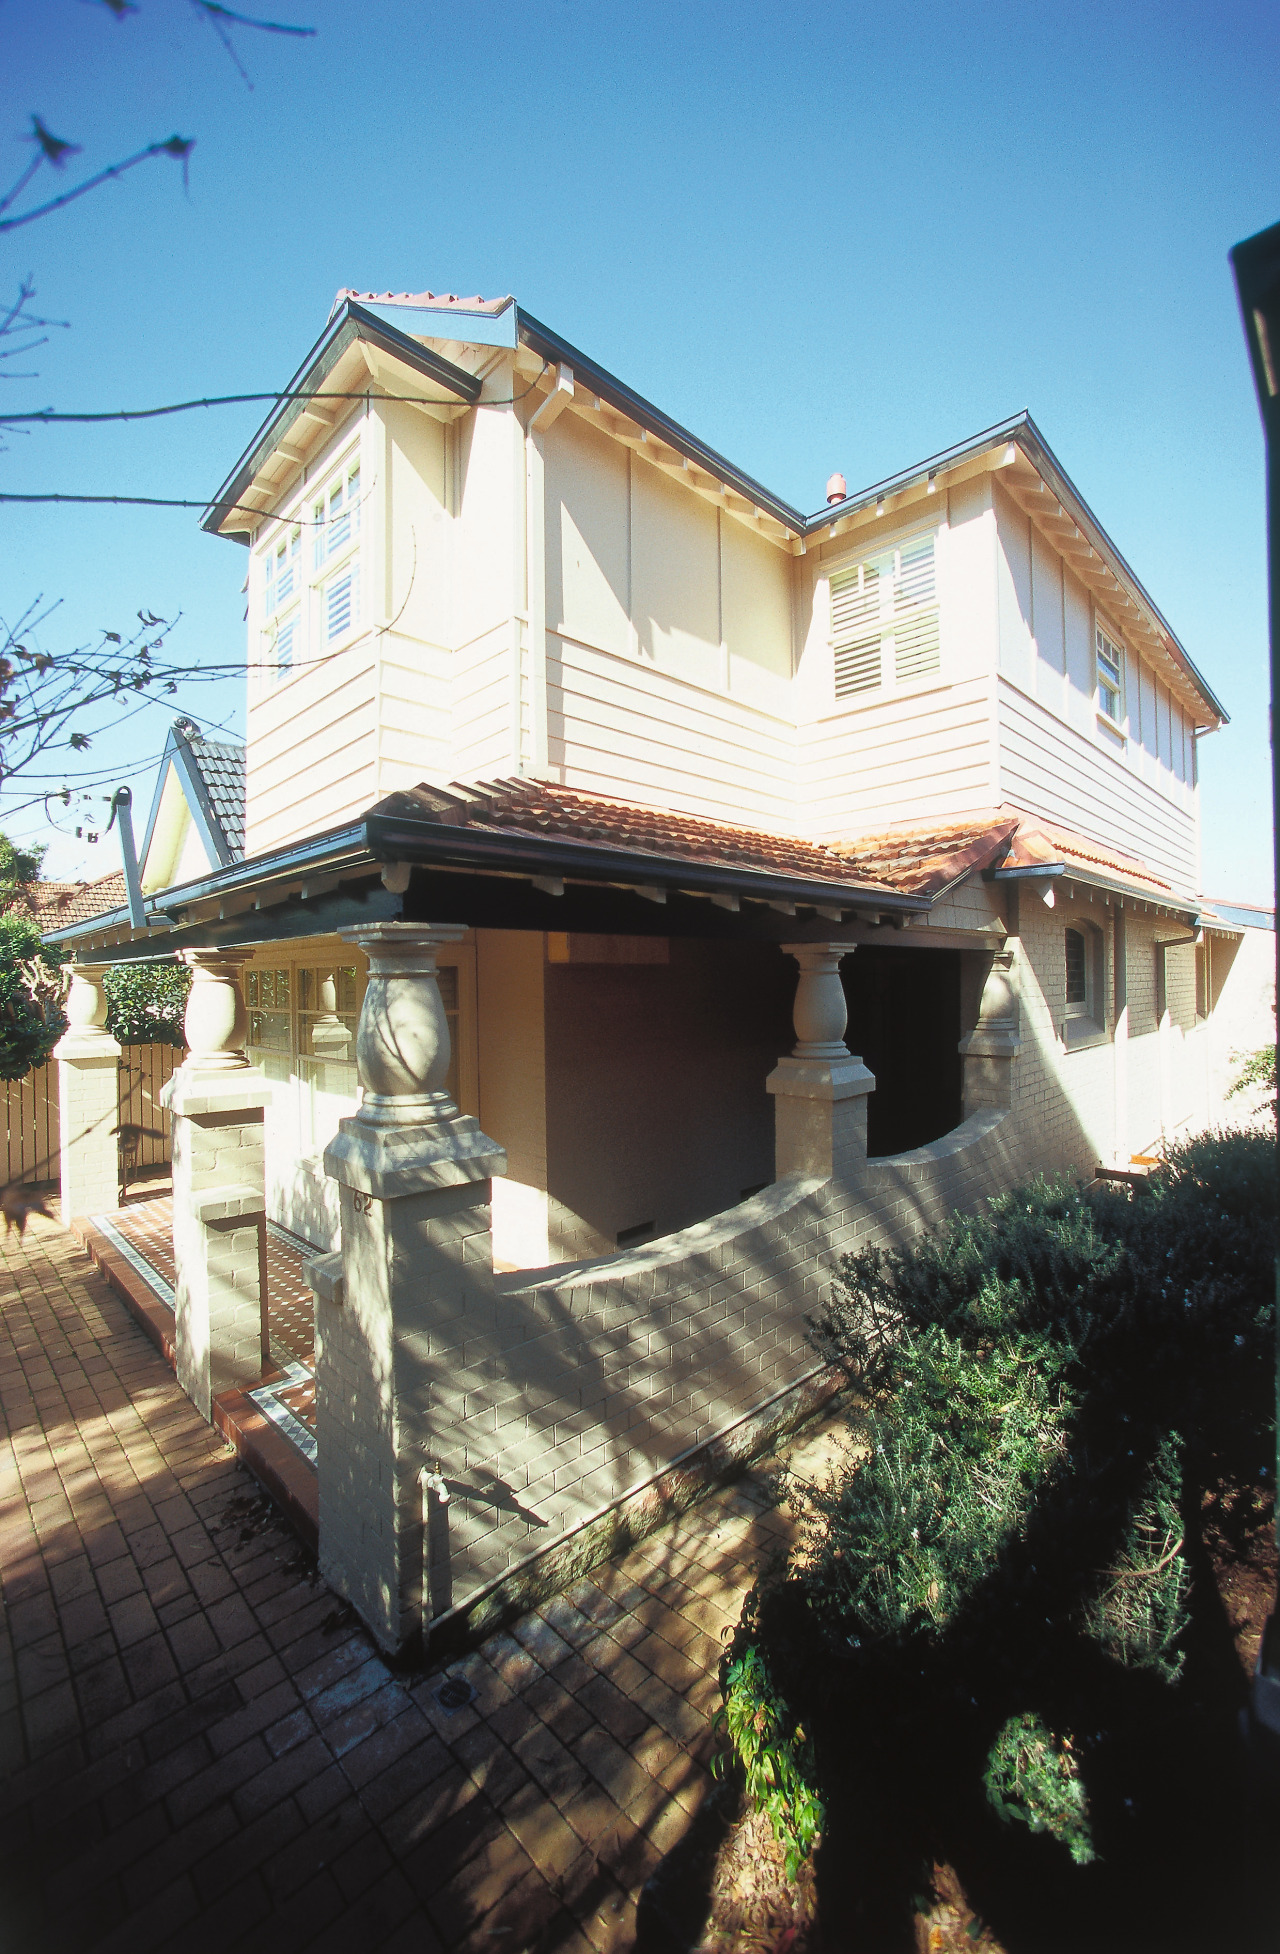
x: 424, y: 301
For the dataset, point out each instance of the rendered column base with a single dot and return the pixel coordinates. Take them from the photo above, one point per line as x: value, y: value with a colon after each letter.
x: 219, y: 1230
x: 417, y: 1252
x: 989, y: 1054
x: 89, y: 1116
x: 820, y: 1112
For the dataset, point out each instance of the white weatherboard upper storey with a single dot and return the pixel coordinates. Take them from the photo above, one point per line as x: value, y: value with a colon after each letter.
x: 681, y: 657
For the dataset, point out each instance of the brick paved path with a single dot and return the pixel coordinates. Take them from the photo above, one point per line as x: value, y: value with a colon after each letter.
x: 200, y: 1746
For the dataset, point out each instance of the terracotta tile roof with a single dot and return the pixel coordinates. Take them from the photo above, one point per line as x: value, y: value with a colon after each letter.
x: 1044, y: 841
x: 435, y: 301
x: 924, y: 860
x: 56, y: 905
x: 928, y: 859
x: 540, y: 808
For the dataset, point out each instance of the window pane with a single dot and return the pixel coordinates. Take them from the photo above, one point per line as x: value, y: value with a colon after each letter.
x: 1077, y: 985
x: 286, y: 637
x: 340, y: 604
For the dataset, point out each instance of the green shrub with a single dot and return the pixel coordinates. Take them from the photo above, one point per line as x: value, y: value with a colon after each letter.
x: 146, y: 1002
x: 1053, y: 1389
x: 30, y: 1026
x: 957, y: 1453
x: 775, y: 1755
x: 1033, y: 1776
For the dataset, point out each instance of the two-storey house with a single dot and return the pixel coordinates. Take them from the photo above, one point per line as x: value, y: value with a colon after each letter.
x: 528, y: 658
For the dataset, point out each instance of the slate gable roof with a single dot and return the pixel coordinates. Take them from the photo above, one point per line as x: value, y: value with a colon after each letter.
x: 221, y: 767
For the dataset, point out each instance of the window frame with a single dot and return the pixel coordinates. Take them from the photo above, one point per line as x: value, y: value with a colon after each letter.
x: 1084, y: 1020
x: 306, y: 606
x: 294, y: 959
x: 873, y: 552
x: 1115, y: 725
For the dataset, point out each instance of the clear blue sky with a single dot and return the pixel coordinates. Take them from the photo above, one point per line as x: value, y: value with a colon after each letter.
x: 823, y: 237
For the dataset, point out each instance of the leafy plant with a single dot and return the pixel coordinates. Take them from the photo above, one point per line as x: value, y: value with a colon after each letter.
x: 1033, y: 1776
x: 775, y: 1755
x: 1257, y: 1073
x: 146, y: 1002
x: 1053, y: 1393
x: 30, y: 1025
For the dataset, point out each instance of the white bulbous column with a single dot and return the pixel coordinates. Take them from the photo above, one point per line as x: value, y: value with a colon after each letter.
x: 820, y: 1012
x: 86, y: 1001
x: 414, y: 1293
x: 88, y: 1098
x: 216, y: 1022
x: 402, y: 1039
x: 820, y: 1091
x: 330, y: 1038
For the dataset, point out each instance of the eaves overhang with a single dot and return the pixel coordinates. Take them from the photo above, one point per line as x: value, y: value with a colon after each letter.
x: 365, y: 847
x: 1022, y: 431
x: 350, y: 325
x: 624, y: 400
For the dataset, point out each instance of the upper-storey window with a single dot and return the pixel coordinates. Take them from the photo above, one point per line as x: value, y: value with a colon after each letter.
x: 310, y: 577
x: 884, y: 618
x: 1110, y: 663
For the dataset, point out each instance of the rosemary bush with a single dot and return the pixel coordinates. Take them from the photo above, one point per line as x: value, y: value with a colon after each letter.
x: 1055, y: 1392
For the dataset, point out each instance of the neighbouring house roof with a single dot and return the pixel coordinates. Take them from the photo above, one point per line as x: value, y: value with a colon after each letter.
x: 545, y: 808
x: 56, y: 905
x: 1244, y: 915
x: 201, y: 782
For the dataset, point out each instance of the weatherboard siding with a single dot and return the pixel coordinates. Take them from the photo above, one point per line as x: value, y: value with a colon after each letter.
x: 312, y: 750
x: 618, y: 725
x: 923, y: 756
x: 1048, y: 768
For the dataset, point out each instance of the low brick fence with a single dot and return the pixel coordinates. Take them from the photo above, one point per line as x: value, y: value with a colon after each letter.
x: 601, y: 1397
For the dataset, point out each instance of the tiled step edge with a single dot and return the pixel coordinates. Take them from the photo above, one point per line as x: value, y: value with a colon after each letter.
x: 278, y: 1466
x: 279, y: 1469
x: 141, y: 1301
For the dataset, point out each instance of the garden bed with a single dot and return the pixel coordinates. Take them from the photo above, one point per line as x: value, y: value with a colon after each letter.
x: 994, y: 1699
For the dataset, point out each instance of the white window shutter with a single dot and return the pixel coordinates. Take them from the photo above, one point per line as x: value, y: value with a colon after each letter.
x: 855, y: 629
x: 917, y: 649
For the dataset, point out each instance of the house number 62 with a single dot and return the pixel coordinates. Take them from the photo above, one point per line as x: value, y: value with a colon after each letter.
x: 362, y: 1203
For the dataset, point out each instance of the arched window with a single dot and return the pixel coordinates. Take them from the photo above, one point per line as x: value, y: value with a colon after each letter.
x: 1077, y: 973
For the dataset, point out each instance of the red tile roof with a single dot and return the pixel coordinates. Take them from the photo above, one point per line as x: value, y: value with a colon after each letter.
x: 1045, y: 841
x: 56, y: 905
x: 540, y: 808
x: 925, y: 860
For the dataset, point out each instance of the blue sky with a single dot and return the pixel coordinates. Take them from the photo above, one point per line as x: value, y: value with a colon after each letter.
x: 830, y: 237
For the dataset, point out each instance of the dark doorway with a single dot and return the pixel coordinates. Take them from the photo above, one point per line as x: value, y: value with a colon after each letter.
x: 904, y: 1021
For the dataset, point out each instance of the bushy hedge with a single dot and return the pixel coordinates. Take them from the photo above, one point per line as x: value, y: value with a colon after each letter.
x: 146, y: 1002
x: 1060, y: 1392
x: 28, y: 1030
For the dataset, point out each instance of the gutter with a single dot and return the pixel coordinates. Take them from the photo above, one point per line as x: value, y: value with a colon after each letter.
x: 366, y: 846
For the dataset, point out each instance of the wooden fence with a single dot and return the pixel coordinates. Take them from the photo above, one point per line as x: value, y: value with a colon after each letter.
x: 31, y: 1106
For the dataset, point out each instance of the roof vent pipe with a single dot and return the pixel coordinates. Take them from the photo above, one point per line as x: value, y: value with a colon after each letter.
x: 837, y: 489
x: 122, y: 813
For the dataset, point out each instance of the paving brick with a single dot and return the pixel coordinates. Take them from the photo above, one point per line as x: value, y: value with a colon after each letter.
x: 273, y: 1785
